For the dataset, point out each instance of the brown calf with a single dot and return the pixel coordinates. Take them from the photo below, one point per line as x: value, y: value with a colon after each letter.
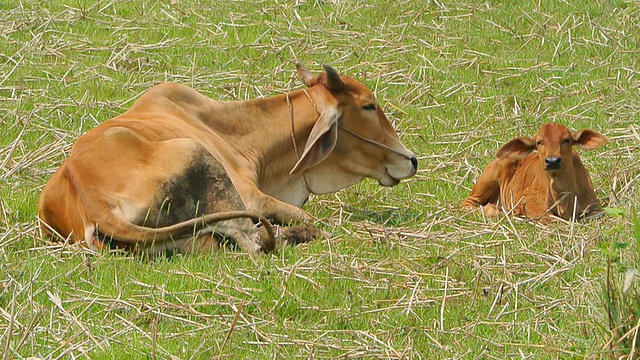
x: 540, y: 176
x: 172, y: 170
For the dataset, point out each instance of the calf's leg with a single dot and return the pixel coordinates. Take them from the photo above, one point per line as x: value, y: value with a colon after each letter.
x: 486, y: 190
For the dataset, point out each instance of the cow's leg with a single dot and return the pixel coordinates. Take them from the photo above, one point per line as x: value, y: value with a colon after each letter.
x: 295, y: 235
x: 270, y: 207
x: 491, y: 210
x: 281, y: 213
x: 486, y: 190
x: 243, y: 232
x: 288, y: 215
x: 535, y: 209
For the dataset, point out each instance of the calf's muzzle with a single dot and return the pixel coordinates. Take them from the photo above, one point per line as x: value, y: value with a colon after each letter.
x: 553, y: 163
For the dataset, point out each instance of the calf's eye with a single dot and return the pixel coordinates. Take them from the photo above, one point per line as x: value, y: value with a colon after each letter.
x: 369, y: 107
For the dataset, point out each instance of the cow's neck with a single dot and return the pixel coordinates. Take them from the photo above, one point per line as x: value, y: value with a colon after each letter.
x: 562, y: 190
x: 262, y: 132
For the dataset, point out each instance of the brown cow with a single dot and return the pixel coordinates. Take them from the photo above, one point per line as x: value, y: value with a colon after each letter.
x: 173, y: 169
x: 539, y: 177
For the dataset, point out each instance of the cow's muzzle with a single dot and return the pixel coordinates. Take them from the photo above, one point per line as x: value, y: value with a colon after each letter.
x: 400, y: 170
x: 414, y: 163
x: 553, y: 163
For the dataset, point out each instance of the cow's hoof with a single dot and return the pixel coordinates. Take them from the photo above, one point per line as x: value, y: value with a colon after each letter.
x: 298, y: 235
x: 491, y: 211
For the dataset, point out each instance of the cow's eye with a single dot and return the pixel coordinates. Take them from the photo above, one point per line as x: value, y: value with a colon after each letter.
x: 566, y: 141
x: 369, y: 107
x: 538, y: 143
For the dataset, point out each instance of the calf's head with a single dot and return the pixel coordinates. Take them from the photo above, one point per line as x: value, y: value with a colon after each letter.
x: 352, y: 138
x: 553, y: 142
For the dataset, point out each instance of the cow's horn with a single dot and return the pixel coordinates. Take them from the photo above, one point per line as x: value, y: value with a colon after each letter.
x: 333, y: 83
x: 304, y: 74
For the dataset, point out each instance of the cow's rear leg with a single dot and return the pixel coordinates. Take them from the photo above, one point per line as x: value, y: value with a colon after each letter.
x: 246, y: 235
x: 486, y: 191
x: 241, y: 232
x: 295, y: 235
x: 491, y: 210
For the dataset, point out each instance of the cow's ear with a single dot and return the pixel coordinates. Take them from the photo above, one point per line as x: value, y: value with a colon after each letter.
x: 305, y: 75
x: 333, y: 80
x: 588, y: 139
x: 321, y: 141
x: 517, y: 148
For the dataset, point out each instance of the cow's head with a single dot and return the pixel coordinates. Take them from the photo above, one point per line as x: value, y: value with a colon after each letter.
x: 352, y: 138
x: 554, y: 145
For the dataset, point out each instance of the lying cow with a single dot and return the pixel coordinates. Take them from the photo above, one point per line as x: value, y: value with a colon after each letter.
x: 539, y: 177
x: 178, y: 171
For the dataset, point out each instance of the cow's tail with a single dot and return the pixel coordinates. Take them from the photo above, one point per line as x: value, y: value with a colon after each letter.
x: 111, y: 228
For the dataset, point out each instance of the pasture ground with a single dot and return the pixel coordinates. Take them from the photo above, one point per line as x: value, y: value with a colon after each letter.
x: 405, y: 275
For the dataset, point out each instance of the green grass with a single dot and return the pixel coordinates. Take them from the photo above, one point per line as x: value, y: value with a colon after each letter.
x: 405, y: 275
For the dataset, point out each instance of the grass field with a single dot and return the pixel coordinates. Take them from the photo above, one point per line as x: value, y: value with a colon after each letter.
x: 405, y: 275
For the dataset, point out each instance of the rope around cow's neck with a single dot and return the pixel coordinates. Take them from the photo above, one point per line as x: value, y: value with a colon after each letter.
x: 373, y: 142
x: 293, y: 139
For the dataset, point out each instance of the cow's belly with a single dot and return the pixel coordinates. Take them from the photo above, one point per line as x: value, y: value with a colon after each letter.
x: 161, y: 183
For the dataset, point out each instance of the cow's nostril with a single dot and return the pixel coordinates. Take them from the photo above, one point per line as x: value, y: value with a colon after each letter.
x: 553, y: 162
x: 414, y: 162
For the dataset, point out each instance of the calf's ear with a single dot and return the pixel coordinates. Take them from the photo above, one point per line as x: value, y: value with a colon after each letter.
x: 588, y: 139
x: 517, y: 148
x: 321, y: 142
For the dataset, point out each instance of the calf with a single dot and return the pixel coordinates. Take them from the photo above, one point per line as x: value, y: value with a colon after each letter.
x: 539, y: 177
x: 178, y: 168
